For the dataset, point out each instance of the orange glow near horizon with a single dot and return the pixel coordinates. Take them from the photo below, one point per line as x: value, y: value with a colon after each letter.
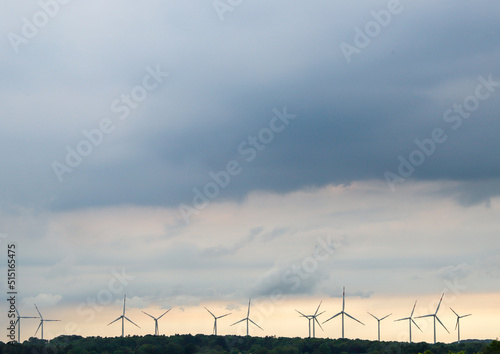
x: 280, y: 319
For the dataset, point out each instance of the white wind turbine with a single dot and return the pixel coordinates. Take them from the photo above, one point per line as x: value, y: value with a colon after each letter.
x: 18, y: 322
x: 378, y: 320
x: 314, y: 319
x: 343, y: 313
x: 216, y: 318
x: 123, y: 318
x: 458, y: 322
x: 436, y: 318
x: 42, y: 320
x: 154, y: 318
x: 247, y: 319
x: 410, y: 319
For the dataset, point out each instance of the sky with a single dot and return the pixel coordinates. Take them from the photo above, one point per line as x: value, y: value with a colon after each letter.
x: 198, y: 154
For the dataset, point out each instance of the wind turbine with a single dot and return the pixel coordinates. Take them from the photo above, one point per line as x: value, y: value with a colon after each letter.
x: 123, y: 318
x: 410, y: 319
x: 458, y: 322
x: 248, y: 318
x: 18, y: 322
x: 216, y: 318
x: 154, y: 318
x: 378, y: 320
x: 343, y: 313
x: 42, y: 320
x: 436, y: 318
x: 314, y: 319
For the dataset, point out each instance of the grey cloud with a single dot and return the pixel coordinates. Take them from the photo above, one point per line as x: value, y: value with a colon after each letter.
x: 353, y: 120
x: 454, y: 272
x: 224, y: 251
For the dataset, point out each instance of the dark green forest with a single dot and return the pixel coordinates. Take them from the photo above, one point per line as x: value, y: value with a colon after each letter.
x: 187, y: 344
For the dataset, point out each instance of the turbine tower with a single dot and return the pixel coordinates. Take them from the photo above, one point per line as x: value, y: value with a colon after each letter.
x: 155, y: 319
x: 343, y: 313
x: 436, y: 318
x: 216, y: 318
x: 378, y: 320
x: 18, y: 322
x: 314, y: 319
x: 123, y: 318
x: 42, y: 320
x: 247, y: 319
x: 458, y: 322
x: 410, y: 319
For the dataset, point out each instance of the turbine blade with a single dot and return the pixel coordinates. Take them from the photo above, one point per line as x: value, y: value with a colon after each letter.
x: 415, y: 323
x: 164, y: 314
x: 385, y: 316
x: 322, y: 312
x: 437, y: 318
x: 413, y: 309
x: 439, y: 304
x: 248, y: 314
x: 124, y: 296
x: 301, y: 313
x: 255, y: 324
x: 458, y: 319
x: 227, y: 314
x: 432, y: 315
x: 128, y: 319
x: 353, y: 318
x: 331, y: 318
x: 318, y: 307
x: 470, y: 314
x: 401, y: 319
x: 319, y: 324
x: 454, y: 312
x: 239, y: 321
x: 38, y: 327
x: 373, y: 316
x: 115, y: 320
x: 343, y: 298
x: 210, y: 312
x: 38, y: 312
x: 148, y: 315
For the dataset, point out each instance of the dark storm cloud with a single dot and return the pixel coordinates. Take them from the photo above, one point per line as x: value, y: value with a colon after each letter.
x: 225, y: 78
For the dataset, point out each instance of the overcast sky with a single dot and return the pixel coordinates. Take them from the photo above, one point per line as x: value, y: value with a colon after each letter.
x: 214, y: 151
